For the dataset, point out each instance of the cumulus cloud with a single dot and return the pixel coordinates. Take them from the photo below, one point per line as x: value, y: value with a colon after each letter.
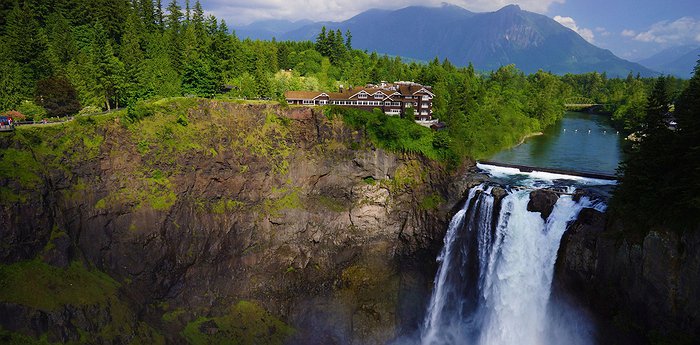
x: 602, y: 31
x: 570, y: 23
x: 681, y: 31
x: 240, y: 12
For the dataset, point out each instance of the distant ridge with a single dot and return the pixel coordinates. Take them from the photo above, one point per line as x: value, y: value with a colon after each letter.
x: 489, y: 40
x: 679, y: 61
x: 267, y: 29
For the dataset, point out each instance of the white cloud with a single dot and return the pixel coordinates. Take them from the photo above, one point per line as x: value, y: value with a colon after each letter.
x: 602, y: 31
x: 570, y: 23
x: 681, y: 31
x: 629, y: 33
x: 241, y: 12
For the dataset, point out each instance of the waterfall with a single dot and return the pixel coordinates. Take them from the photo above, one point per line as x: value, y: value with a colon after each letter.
x: 496, y: 268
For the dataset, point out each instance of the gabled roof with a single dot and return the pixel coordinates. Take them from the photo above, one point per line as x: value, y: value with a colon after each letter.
x: 322, y: 94
x: 422, y: 89
x: 391, y: 92
x: 302, y: 94
x: 358, y: 92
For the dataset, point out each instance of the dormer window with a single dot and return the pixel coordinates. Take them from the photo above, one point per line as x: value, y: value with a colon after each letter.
x: 362, y: 95
x: 378, y: 95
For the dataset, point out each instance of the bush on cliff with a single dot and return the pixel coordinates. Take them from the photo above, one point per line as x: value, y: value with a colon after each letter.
x: 397, y: 134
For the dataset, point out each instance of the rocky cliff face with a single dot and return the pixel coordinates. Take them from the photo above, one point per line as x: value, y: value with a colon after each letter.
x: 643, y: 290
x: 215, y: 220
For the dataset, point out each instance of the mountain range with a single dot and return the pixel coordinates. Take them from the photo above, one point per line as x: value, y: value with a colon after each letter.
x: 267, y: 29
x: 488, y: 40
x: 678, y: 61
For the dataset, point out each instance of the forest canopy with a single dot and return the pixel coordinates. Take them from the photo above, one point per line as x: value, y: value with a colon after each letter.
x: 64, y: 55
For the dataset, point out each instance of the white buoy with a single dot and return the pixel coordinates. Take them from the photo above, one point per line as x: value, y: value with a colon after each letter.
x: 576, y: 130
x: 605, y: 132
x: 564, y: 129
x: 589, y: 131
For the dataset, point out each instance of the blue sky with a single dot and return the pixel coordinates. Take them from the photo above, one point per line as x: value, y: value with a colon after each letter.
x: 632, y: 29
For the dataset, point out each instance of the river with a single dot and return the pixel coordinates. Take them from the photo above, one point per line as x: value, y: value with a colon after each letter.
x: 579, y: 142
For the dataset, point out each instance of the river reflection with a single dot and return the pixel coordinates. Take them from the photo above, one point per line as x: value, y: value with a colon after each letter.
x: 579, y: 142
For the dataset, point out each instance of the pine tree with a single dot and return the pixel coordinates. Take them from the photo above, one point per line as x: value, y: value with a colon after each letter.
x: 132, y: 56
x: 198, y: 22
x: 337, y: 47
x: 62, y: 46
x: 159, y: 15
x: 648, y: 180
x: 148, y: 14
x: 322, y: 42
x: 174, y: 33
x: 27, y: 45
x: 159, y: 75
x: 688, y: 114
x: 109, y: 70
x: 348, y: 40
x: 11, y: 91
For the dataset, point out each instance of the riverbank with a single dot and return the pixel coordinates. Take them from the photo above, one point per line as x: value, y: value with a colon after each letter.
x: 531, y: 135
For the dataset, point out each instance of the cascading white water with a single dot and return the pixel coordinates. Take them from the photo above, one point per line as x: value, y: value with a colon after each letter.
x: 494, y: 281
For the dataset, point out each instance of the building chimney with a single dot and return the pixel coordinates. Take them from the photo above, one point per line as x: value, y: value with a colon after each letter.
x: 340, y: 89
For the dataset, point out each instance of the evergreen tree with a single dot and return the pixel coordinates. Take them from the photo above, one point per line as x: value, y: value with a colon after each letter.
x: 132, y: 56
x: 27, y: 44
x: 174, y: 34
x: 11, y: 90
x: 159, y: 15
x: 322, y: 42
x: 109, y: 70
x: 198, y: 22
x: 198, y: 79
x: 688, y: 114
x: 648, y: 180
x: 337, y: 48
x: 348, y: 40
x: 148, y: 14
x: 159, y: 75
x: 62, y: 47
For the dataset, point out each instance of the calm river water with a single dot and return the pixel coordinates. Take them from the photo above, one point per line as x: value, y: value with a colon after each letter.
x: 579, y: 142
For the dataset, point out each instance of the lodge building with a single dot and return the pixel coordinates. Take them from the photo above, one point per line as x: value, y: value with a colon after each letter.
x: 392, y: 98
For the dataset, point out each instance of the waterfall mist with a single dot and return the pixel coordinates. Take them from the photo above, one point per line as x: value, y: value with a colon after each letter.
x: 495, y: 277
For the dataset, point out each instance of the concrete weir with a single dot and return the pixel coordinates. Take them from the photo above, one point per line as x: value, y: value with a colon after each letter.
x: 527, y: 169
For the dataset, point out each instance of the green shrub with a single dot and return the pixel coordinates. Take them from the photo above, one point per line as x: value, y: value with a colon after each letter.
x: 31, y: 110
x: 394, y: 133
x: 89, y: 110
x: 245, y: 323
x: 139, y: 111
